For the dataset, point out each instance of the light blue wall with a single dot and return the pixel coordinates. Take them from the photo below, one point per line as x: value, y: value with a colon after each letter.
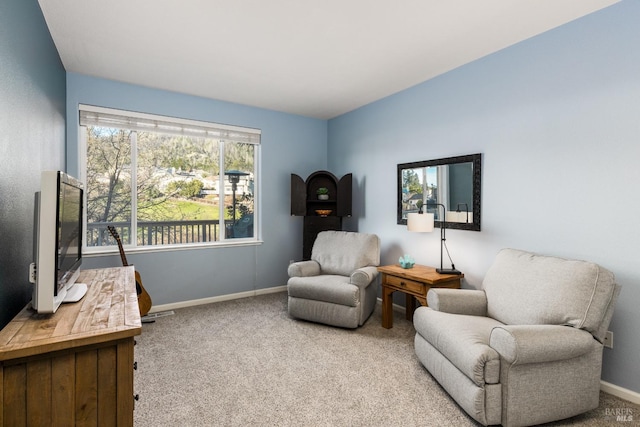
x: 290, y: 144
x: 557, y: 119
x: 32, y: 124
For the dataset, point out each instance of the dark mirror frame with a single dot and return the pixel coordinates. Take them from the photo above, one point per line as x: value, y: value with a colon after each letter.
x: 476, y: 159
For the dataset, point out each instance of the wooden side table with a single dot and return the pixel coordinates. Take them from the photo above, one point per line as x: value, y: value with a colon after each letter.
x: 415, y: 282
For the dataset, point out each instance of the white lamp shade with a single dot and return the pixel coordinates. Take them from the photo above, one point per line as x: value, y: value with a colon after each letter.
x: 420, y: 222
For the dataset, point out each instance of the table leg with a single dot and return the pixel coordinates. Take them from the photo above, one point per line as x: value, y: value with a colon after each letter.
x: 387, y: 308
x: 411, y: 307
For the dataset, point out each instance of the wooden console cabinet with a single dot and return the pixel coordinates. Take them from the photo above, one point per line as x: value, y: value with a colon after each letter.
x: 74, y: 367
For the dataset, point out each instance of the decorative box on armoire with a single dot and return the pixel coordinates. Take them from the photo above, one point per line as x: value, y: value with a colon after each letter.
x: 320, y: 215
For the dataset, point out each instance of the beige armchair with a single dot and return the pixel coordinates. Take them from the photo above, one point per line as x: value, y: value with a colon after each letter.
x: 337, y: 286
x: 527, y: 348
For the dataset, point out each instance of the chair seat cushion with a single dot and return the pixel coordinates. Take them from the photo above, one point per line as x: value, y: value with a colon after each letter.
x: 328, y: 288
x: 463, y: 340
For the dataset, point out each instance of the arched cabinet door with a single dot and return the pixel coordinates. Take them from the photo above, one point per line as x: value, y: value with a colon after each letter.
x: 343, y: 207
x: 298, y: 196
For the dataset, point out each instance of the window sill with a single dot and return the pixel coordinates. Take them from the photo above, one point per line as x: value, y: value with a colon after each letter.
x: 110, y: 250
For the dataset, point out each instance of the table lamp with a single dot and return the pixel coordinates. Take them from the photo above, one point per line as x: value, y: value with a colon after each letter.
x: 423, y: 223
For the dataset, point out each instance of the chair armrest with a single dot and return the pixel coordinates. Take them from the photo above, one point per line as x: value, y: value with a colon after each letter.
x: 522, y: 344
x: 303, y: 269
x: 458, y: 301
x: 363, y: 276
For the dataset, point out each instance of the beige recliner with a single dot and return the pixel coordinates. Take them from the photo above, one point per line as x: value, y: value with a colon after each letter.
x: 337, y: 285
x: 527, y: 348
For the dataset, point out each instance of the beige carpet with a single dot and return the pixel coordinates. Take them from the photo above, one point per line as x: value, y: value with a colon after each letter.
x: 246, y: 363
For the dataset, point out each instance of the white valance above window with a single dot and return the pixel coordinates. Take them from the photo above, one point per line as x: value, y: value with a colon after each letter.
x: 105, y: 117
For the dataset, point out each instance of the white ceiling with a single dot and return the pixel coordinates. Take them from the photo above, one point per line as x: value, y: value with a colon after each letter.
x: 314, y: 58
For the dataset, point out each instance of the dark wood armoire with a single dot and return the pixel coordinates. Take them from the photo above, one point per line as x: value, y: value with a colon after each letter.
x: 305, y: 203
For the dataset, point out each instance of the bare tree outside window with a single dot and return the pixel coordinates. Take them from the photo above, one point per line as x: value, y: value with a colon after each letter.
x: 108, y: 181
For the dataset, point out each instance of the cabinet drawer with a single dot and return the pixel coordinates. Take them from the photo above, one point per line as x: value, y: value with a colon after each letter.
x: 406, y: 285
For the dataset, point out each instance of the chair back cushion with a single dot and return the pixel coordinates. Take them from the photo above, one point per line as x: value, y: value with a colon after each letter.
x: 529, y: 289
x: 342, y: 252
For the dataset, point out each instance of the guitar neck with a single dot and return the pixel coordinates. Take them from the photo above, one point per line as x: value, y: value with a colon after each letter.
x: 116, y: 236
x: 122, y: 256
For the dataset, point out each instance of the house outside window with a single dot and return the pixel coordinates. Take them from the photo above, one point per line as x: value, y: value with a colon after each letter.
x: 161, y: 181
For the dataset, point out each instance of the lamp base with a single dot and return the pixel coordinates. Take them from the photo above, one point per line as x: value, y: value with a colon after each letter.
x: 447, y: 271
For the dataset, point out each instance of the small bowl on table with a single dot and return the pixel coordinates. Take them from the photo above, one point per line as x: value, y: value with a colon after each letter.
x: 324, y: 212
x: 406, y: 261
x: 407, y: 264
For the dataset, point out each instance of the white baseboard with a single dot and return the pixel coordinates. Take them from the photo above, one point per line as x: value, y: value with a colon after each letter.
x: 620, y: 392
x: 273, y: 290
x: 209, y: 300
x: 396, y: 307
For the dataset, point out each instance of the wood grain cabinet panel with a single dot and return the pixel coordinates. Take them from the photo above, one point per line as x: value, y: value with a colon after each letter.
x: 74, y: 367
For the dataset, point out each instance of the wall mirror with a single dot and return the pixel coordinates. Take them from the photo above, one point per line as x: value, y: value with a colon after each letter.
x: 453, y: 182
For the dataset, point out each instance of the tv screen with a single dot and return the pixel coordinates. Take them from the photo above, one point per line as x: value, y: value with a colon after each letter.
x: 69, y: 231
x: 58, y: 241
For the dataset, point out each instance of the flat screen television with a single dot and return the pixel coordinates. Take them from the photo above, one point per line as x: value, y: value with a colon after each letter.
x: 58, y: 228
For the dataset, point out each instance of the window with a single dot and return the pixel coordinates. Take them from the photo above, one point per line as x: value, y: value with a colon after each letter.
x: 162, y: 181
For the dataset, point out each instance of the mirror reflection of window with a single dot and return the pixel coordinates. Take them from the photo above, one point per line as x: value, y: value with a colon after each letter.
x: 453, y: 182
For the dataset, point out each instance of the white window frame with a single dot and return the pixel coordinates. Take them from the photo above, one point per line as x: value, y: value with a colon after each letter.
x: 151, y: 122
